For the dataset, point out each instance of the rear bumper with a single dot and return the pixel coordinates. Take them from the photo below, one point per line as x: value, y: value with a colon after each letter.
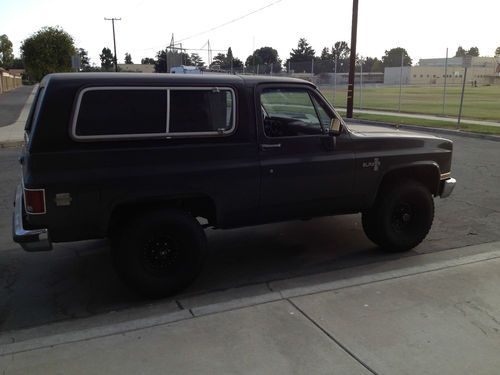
x: 29, y: 239
x: 447, y: 187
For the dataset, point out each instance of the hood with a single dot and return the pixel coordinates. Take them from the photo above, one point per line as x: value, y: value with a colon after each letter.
x: 379, y: 131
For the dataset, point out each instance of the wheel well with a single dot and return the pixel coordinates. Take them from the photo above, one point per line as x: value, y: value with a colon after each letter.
x: 428, y: 175
x: 198, y: 206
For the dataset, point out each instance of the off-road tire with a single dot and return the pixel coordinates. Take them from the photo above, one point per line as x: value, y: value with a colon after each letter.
x: 159, y: 252
x: 401, y: 216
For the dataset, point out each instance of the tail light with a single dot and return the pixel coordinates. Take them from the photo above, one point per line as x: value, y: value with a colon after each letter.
x: 34, y: 201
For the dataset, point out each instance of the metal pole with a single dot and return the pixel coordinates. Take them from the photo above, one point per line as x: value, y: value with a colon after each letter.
x: 312, y: 67
x: 361, y: 87
x: 445, y: 80
x: 462, y: 100
x: 401, y: 80
x: 335, y: 81
x: 114, y: 38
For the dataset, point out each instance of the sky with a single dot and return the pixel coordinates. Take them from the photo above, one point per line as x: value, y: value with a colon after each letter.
x: 424, y: 27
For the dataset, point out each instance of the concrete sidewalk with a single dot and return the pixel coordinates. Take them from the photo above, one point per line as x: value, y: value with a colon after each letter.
x: 12, y: 103
x: 436, y: 313
x: 13, y: 135
x: 424, y: 117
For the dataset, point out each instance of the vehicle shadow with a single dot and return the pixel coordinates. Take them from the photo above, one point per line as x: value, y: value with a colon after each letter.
x: 77, y: 280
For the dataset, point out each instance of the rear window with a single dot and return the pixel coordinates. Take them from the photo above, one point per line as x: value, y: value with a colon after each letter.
x: 118, y: 113
x: 122, y: 112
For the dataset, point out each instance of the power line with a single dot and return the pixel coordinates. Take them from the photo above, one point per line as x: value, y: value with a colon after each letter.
x: 224, y: 24
x: 232, y: 21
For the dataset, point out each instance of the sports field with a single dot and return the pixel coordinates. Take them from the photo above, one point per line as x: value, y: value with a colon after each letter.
x: 479, y: 102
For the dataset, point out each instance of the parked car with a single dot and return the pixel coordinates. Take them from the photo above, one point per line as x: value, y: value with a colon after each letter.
x: 144, y: 159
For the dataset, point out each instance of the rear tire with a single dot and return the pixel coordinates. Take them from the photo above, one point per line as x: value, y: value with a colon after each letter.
x: 159, y: 252
x: 401, y: 217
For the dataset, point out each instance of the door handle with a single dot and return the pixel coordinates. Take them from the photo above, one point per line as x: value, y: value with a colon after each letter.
x: 266, y: 146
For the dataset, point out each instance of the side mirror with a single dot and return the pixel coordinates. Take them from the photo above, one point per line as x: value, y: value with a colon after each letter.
x: 335, y: 126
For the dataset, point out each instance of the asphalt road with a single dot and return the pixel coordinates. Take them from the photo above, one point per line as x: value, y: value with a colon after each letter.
x: 11, y: 104
x: 77, y: 280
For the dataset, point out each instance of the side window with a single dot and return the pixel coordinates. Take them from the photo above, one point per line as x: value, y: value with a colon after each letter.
x: 127, y: 113
x: 122, y: 112
x: 200, y: 111
x: 289, y: 112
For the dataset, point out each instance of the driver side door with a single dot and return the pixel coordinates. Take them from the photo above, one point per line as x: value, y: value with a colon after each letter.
x: 305, y: 171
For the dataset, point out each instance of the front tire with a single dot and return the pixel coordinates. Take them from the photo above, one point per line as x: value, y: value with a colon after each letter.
x: 401, y: 217
x: 159, y: 252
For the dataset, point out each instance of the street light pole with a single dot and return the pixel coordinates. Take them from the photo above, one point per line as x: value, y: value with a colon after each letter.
x: 114, y: 38
x: 352, y: 60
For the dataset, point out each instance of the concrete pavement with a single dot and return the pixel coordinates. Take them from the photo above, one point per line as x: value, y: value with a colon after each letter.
x: 430, y: 314
x: 12, y: 103
x: 13, y: 135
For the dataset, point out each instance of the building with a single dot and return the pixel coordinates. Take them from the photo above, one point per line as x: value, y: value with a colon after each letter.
x: 137, y: 68
x: 9, y: 81
x: 483, y: 70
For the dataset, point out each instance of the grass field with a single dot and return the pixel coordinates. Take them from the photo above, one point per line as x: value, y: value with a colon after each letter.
x: 495, y: 130
x: 479, y: 102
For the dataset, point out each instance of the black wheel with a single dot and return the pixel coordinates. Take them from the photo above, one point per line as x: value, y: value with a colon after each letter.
x: 159, y: 252
x: 401, y: 217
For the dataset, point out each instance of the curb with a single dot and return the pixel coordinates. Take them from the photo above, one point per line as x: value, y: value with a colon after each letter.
x: 294, y: 287
x: 11, y: 144
x: 427, y: 129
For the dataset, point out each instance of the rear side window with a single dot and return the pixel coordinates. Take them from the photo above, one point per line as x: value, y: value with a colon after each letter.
x: 126, y: 112
x: 122, y: 112
x: 200, y: 111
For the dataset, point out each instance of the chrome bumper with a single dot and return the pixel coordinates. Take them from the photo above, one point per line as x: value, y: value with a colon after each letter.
x: 447, y: 187
x: 29, y: 239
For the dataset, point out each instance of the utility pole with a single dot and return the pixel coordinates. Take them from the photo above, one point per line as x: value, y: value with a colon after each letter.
x: 352, y: 63
x: 114, y: 38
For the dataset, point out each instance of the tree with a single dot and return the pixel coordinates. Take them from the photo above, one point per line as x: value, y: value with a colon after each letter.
x: 84, y: 59
x: 6, y: 55
x: 460, y: 52
x: 16, y: 63
x: 392, y: 57
x: 373, y: 65
x: 128, y: 58
x: 377, y: 67
x: 341, y: 50
x: 49, y: 50
x: 303, y: 52
x: 186, y: 59
x: 107, y: 59
x: 497, y: 51
x: 148, y: 61
x: 266, y: 56
x: 197, y: 60
x: 161, y: 62
x: 227, y: 62
x: 473, y: 51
